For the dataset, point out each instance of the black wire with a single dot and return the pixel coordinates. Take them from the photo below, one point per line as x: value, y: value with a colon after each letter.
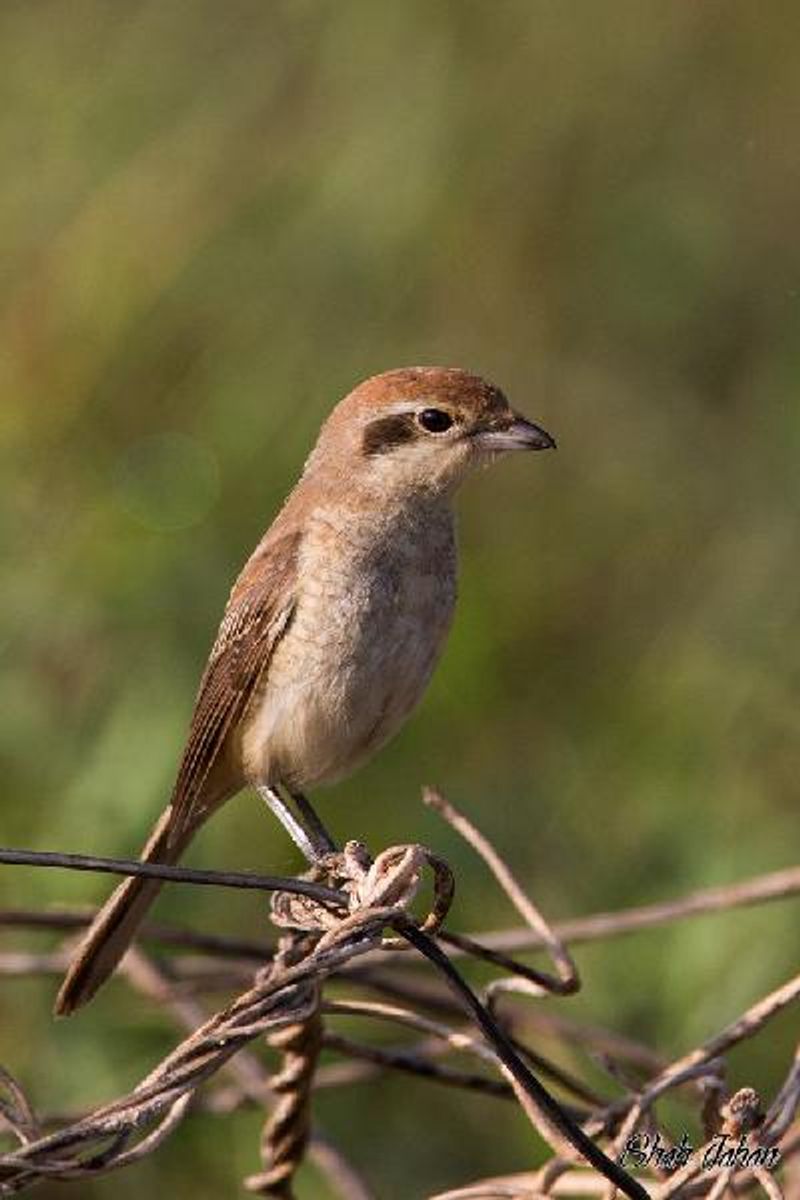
x: 122, y: 866
x: 510, y: 1059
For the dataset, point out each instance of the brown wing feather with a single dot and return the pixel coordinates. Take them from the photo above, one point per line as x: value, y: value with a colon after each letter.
x: 258, y: 613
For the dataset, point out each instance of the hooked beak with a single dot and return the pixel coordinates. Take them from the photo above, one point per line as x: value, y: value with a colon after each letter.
x: 521, y: 434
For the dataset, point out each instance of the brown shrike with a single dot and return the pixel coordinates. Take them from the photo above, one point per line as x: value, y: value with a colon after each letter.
x: 334, y: 626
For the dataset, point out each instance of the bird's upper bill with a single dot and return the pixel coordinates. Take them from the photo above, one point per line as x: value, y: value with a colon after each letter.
x: 520, y: 434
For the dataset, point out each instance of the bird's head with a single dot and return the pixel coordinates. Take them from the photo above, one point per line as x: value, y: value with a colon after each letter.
x: 422, y: 429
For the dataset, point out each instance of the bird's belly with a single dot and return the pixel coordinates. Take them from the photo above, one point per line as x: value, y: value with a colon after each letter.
x: 353, y: 665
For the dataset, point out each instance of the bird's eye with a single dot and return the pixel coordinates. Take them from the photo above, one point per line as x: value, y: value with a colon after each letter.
x: 434, y: 420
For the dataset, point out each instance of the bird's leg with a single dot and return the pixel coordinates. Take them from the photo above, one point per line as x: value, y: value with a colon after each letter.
x: 313, y: 825
x: 313, y: 843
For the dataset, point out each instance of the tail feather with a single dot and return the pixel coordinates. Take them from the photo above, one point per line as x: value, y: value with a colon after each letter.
x: 115, y: 925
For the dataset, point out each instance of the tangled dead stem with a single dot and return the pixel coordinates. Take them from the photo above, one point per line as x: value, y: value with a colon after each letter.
x: 335, y: 935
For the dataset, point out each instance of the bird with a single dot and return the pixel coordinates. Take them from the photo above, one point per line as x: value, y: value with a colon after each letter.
x: 333, y: 627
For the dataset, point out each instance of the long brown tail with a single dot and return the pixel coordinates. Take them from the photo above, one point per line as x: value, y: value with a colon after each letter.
x: 115, y: 925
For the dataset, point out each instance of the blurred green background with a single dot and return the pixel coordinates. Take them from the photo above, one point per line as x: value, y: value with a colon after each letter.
x: 216, y: 219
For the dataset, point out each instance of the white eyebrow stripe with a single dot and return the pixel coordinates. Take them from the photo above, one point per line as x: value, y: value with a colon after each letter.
x: 404, y: 407
x: 409, y: 408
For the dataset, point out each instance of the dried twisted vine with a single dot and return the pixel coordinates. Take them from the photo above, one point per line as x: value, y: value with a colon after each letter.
x: 335, y: 930
x: 284, y: 996
x: 287, y: 1131
x: 392, y: 879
